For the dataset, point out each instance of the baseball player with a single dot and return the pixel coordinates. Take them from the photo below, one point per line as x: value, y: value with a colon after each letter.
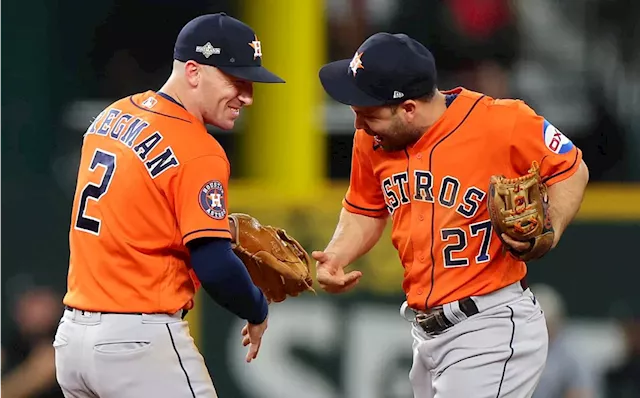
x: 423, y: 158
x: 150, y: 225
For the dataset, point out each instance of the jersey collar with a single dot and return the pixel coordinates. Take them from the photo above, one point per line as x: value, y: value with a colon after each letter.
x: 455, y: 115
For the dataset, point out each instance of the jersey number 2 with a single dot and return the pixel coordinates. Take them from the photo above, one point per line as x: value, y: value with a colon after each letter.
x: 95, y: 192
x: 484, y: 228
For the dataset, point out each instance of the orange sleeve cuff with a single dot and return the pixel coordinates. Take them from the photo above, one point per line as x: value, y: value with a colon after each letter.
x: 370, y: 212
x: 566, y: 173
x: 206, y: 233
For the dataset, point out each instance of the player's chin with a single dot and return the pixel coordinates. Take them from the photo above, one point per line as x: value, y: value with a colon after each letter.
x: 393, y: 144
x: 230, y: 124
x: 389, y: 147
x: 226, y: 122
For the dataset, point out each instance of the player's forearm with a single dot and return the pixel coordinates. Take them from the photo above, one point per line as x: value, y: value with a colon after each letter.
x: 355, y: 235
x: 565, y: 198
x: 226, y: 280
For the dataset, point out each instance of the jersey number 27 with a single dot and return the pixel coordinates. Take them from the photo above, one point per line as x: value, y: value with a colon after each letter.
x: 95, y: 192
x: 456, y: 239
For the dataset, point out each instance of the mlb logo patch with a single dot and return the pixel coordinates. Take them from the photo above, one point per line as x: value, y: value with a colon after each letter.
x: 555, y: 140
x: 149, y: 102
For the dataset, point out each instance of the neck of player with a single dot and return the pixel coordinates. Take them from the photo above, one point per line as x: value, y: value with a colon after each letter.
x: 173, y: 88
x: 434, y: 109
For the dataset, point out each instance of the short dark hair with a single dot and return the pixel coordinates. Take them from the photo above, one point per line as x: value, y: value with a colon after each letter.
x: 425, y: 98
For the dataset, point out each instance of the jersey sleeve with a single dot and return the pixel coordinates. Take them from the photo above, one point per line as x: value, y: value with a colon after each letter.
x: 200, y: 198
x: 364, y: 195
x: 534, y: 138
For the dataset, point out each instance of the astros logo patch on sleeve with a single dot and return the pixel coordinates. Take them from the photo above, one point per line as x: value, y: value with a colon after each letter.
x: 212, y: 199
x: 555, y: 140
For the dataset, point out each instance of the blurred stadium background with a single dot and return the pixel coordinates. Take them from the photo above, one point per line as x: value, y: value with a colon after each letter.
x: 575, y: 61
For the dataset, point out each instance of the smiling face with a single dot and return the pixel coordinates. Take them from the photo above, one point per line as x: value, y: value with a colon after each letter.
x: 221, y: 97
x: 390, y: 126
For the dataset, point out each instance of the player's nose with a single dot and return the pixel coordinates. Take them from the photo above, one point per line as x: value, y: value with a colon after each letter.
x: 246, y: 94
x: 359, y: 123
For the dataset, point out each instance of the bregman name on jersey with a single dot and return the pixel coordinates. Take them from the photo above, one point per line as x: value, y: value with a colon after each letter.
x: 126, y: 129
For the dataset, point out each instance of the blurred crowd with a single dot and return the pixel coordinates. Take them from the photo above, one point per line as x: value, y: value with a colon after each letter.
x: 576, y: 62
x: 27, y: 352
x: 567, y: 374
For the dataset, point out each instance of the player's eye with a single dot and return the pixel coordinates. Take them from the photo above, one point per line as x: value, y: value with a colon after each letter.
x: 242, y: 84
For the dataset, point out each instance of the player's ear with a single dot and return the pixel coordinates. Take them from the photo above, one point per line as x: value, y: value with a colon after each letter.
x: 192, y: 72
x: 409, y: 107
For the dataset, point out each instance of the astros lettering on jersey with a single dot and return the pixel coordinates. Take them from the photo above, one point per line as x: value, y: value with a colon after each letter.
x: 143, y: 192
x: 435, y: 192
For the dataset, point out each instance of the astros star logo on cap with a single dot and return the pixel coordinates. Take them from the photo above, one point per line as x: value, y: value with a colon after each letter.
x: 356, y: 63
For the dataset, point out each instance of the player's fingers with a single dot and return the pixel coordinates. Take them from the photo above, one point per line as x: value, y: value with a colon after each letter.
x: 351, y: 277
x: 255, y: 354
x: 319, y: 255
x: 253, y: 351
x: 518, y: 246
x: 325, y: 278
x: 346, y: 279
x: 349, y: 286
x: 341, y: 288
x: 332, y: 285
x: 245, y: 341
x: 337, y: 284
x: 245, y: 330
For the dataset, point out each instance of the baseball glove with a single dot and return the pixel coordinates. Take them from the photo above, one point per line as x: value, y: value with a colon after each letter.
x: 519, y: 207
x: 276, y: 262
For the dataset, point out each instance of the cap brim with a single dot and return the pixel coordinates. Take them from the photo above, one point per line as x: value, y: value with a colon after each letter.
x: 257, y: 74
x: 341, y: 85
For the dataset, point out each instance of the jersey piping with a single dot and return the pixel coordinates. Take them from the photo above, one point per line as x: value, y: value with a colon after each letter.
x: 433, y: 208
x: 157, y: 113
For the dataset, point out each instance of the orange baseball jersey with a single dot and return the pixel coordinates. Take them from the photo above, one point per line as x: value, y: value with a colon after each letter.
x: 435, y: 192
x: 150, y: 180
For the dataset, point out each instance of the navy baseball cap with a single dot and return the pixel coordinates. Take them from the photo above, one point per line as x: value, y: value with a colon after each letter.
x: 386, y: 69
x: 226, y: 43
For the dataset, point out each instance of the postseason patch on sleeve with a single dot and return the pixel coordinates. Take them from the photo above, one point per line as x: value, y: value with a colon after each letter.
x: 555, y: 140
x: 212, y: 200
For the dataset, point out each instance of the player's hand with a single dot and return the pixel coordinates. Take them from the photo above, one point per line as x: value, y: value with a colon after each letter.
x: 252, y: 337
x: 516, y: 245
x: 330, y: 273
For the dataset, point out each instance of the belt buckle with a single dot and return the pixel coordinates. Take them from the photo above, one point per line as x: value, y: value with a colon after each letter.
x: 433, y: 322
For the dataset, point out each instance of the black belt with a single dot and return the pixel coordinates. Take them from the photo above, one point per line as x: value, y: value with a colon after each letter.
x: 435, y: 321
x: 67, y: 308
